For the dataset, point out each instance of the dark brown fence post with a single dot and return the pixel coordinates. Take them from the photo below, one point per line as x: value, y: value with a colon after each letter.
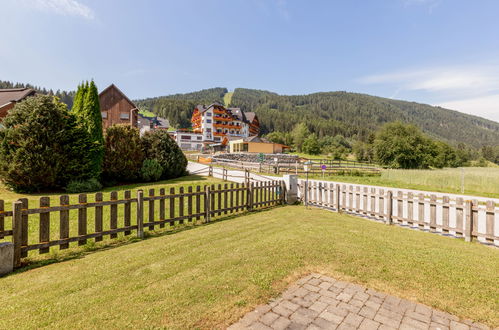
x: 2, y: 218
x: 127, y: 211
x: 162, y: 214
x: 207, y: 204
x: 82, y: 218
x: 44, y: 234
x: 189, y: 203
x: 98, y: 216
x: 198, y: 202
x: 469, y: 221
x: 64, y: 221
x: 181, y: 205
x: 140, y: 214
x: 24, y: 219
x: 114, y: 214
x: 389, y: 207
x: 17, y: 229
x: 250, y: 197
x: 151, y: 208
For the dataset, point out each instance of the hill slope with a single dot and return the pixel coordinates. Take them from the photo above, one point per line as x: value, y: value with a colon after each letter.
x: 331, y: 113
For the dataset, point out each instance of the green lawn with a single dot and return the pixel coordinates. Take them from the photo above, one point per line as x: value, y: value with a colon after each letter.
x: 147, y: 113
x: 478, y: 181
x: 208, y: 276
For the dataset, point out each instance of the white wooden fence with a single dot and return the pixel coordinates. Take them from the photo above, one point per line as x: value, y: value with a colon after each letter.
x: 449, y: 215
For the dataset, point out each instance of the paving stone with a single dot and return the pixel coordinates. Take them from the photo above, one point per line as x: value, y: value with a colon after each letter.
x: 259, y: 326
x: 318, y: 306
x: 368, y: 312
x: 410, y: 323
x: 437, y: 326
x: 344, y: 297
x: 300, y: 318
x: 458, y: 326
x: 312, y: 288
x: 368, y: 324
x: 324, y: 324
x: 269, y: 318
x: 281, y: 323
x: 318, y: 302
x: 353, y: 319
x: 331, y: 317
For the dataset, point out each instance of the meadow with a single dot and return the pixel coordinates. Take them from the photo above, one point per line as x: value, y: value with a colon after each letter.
x: 478, y: 181
x: 208, y: 276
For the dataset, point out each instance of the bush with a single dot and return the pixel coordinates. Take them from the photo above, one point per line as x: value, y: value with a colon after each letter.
x: 42, y: 147
x: 83, y: 186
x: 151, y: 170
x: 123, y: 155
x: 160, y: 146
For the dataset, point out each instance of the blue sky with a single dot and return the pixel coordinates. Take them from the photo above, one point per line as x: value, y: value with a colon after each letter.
x: 441, y: 52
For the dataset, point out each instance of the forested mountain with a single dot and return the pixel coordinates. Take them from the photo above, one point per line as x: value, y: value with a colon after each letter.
x: 64, y: 96
x: 178, y: 107
x: 331, y: 113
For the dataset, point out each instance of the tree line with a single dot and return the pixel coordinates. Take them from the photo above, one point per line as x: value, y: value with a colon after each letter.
x: 46, y: 146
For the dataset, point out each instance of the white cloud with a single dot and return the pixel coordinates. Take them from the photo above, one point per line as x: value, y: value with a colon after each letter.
x: 486, y: 106
x: 64, y: 7
x: 470, y: 88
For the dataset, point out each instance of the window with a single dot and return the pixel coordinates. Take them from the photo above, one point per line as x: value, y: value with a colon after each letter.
x: 185, y: 137
x: 208, y: 121
x: 104, y: 114
x: 200, y: 137
x: 124, y: 116
x: 217, y: 139
x: 208, y: 130
x: 208, y: 114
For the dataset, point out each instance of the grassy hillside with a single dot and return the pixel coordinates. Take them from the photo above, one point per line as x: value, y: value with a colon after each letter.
x: 350, y: 114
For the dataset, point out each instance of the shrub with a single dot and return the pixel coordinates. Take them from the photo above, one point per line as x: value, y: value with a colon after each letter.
x: 123, y: 155
x: 151, y: 170
x: 83, y: 186
x: 160, y: 146
x: 42, y: 147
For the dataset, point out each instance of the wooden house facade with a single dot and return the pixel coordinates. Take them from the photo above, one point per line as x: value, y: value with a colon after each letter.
x: 117, y: 108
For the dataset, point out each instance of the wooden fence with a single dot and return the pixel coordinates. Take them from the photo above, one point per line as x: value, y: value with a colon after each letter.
x: 48, y: 225
x: 332, y: 167
x: 455, y: 217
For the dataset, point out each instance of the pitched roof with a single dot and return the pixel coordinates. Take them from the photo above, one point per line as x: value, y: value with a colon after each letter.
x: 256, y: 138
x: 250, y: 116
x: 119, y: 91
x: 14, y: 95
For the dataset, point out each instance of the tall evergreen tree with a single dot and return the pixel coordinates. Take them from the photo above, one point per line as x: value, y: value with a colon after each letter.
x: 86, y: 107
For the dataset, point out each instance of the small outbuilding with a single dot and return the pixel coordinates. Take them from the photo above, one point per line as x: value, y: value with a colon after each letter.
x: 255, y: 144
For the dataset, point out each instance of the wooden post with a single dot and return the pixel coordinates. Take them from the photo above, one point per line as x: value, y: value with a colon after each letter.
x: 181, y: 204
x: 381, y: 204
x: 140, y: 214
x: 24, y: 219
x: 225, y: 198
x: 2, y: 218
x: 357, y: 199
x: 44, y: 234
x: 172, y: 206
x: 389, y: 207
x: 445, y: 214
x: 207, y: 204
x: 250, y: 197
x: 210, y: 171
x: 489, y: 221
x: 127, y: 211
x: 17, y: 232
x: 469, y: 221
x: 151, y: 208
x: 410, y: 208
x: 114, y: 214
x: 82, y: 218
x: 231, y: 205
x: 421, y: 202
x: 64, y: 221
x: 365, y: 209
x: 283, y: 192
x: 373, y: 201
x: 459, y: 216
x: 198, y: 202
x: 337, y: 197
x: 162, y: 214
x: 98, y: 216
x: 433, y: 213
x: 189, y: 203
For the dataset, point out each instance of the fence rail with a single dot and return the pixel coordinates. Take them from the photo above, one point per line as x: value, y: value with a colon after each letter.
x: 59, y: 225
x: 450, y: 216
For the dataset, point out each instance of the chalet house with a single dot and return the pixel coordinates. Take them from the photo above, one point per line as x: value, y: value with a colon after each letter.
x: 9, y: 97
x: 151, y: 123
x: 116, y: 108
x: 215, y: 122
